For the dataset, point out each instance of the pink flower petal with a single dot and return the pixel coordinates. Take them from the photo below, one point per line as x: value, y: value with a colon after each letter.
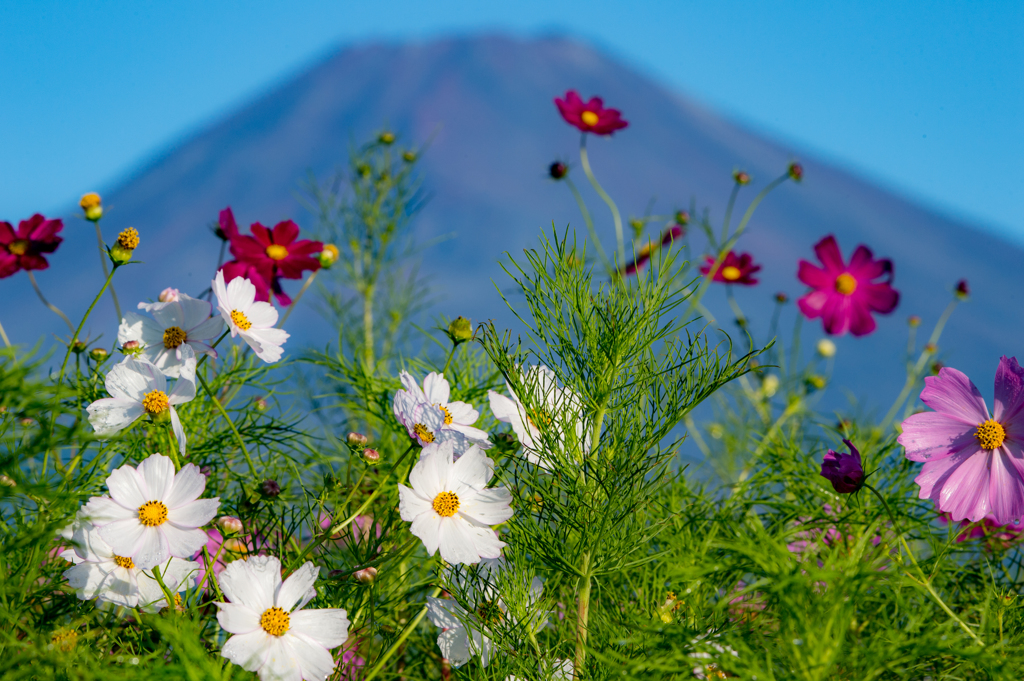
x: 955, y: 395
x: 1006, y: 488
x: 929, y: 436
x: 965, y: 492
x: 1009, y: 391
x: 828, y: 253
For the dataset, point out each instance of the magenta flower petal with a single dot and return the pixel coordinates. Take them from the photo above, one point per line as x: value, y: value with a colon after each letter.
x: 953, y: 394
x: 965, y: 493
x: 929, y: 436
x: 1009, y: 393
x: 1006, y: 486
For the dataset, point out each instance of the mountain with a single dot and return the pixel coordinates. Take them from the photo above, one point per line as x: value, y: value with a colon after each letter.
x: 486, y: 105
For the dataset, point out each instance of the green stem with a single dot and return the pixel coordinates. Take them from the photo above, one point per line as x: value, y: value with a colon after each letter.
x: 53, y: 308
x: 163, y: 587
x: 728, y: 210
x: 616, y: 217
x: 449, y: 360
x: 231, y: 424
x: 582, y: 617
x: 368, y: 359
x: 590, y: 227
x: 3, y: 335
x: 409, y: 628
x: 74, y: 338
x: 295, y: 300
x: 106, y: 271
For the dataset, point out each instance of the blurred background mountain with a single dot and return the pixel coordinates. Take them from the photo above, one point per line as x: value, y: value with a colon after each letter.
x: 485, y: 106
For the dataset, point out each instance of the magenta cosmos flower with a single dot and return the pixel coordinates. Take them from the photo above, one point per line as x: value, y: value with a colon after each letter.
x: 589, y: 116
x: 735, y: 269
x: 844, y: 471
x: 844, y: 296
x: 268, y: 256
x: 973, y: 462
x: 23, y: 249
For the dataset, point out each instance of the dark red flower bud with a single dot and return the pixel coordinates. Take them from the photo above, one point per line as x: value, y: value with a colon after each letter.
x: 682, y: 217
x: 844, y: 471
x: 270, y: 488
x: 781, y: 298
x: 741, y: 177
x: 962, y: 290
x: 796, y: 172
x: 558, y: 170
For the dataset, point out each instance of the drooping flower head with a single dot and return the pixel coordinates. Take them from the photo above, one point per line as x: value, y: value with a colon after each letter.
x: 249, y: 318
x: 183, y: 321
x: 138, y: 388
x: 589, y: 116
x: 844, y: 471
x: 973, y: 462
x: 274, y: 254
x: 450, y: 506
x: 845, y: 296
x: 23, y: 249
x: 153, y: 513
x: 735, y: 269
x: 273, y: 634
x: 413, y: 407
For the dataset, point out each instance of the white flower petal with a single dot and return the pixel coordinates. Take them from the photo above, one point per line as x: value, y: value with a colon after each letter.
x: 133, y: 378
x: 235, y: 618
x: 252, y: 582
x: 102, y: 510
x: 454, y: 645
x: 111, y: 414
x: 128, y: 488
x: 248, y: 651
x: 207, y: 330
x: 436, y: 389
x: 261, y: 315
x: 179, y: 432
x: 489, y: 507
x: 327, y: 626
x: 152, y: 547
x: 182, y: 542
x: 473, y: 468
x: 130, y: 327
x: 441, y: 612
x: 428, y: 528
x: 193, y: 514
x: 458, y: 542
x: 157, y: 477
x: 410, y: 504
x: 189, y: 484
x: 281, y: 662
x: 296, y: 587
x: 266, y: 343
x: 314, y: 660
x: 124, y: 536
x: 185, y: 387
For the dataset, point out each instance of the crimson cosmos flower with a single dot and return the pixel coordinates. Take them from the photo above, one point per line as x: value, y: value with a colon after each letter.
x: 589, y: 116
x: 268, y: 256
x: 844, y: 296
x: 23, y: 249
x: 735, y: 269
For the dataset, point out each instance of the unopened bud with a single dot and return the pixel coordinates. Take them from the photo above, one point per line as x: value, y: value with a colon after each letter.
x: 937, y: 367
x: 98, y: 355
x: 261, y: 404
x: 826, y: 348
x: 558, y: 170
x: 206, y: 471
x: 409, y: 156
x: 962, y: 290
x: 781, y: 298
x: 132, y: 348
x: 386, y: 138
x: 931, y: 348
x: 815, y: 382
x: 127, y: 242
x: 741, y: 177
x: 357, y: 440
x: 7, y: 481
x: 796, y: 172
x: 328, y: 256
x: 913, y: 321
x: 637, y: 225
x: 460, y: 330
x: 770, y: 385
x: 364, y: 170
x: 78, y: 347
x: 682, y: 217
x: 92, y: 205
x: 270, y: 488
x: 366, y: 575
x: 229, y: 524
x: 371, y: 456
x: 169, y: 295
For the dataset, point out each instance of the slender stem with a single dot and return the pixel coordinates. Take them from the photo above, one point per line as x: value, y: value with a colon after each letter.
x: 231, y: 424
x: 295, y: 300
x: 409, y: 628
x: 924, y: 581
x: 449, y: 360
x: 582, y: 617
x: 54, y: 308
x: 74, y: 337
x: 3, y: 335
x: 368, y: 359
x: 590, y: 227
x: 728, y: 211
x: 616, y: 217
x: 106, y: 270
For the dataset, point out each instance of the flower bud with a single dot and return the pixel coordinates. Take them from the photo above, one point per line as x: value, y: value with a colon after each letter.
x: 637, y: 225
x: 962, y: 290
x: 169, y: 295
x: 132, y: 347
x: 229, y: 524
x: 826, y: 348
x: 815, y: 382
x: 770, y: 385
x: 260, y: 404
x: 127, y: 242
x: 682, y: 217
x: 366, y: 575
x: 7, y: 481
x: 409, y: 156
x: 460, y: 330
x: 371, y: 456
x: 328, y: 256
x: 937, y: 367
x: 78, y: 347
x: 558, y: 170
x: 796, y: 172
x: 92, y: 205
x: 913, y: 321
x: 931, y: 348
x: 386, y: 137
x: 357, y: 440
x: 270, y: 488
x: 781, y: 298
x: 844, y: 471
x: 98, y: 355
x: 741, y: 177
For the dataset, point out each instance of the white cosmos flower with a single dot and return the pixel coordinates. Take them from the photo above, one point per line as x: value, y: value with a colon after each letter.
x: 251, y: 319
x: 138, y: 388
x: 176, y: 323
x: 550, y: 408
x: 273, y: 635
x: 467, y: 632
x: 449, y: 507
x: 435, y: 393
x: 101, y: 574
x: 152, y: 512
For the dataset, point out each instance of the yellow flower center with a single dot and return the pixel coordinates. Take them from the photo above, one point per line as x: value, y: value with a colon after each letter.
x: 153, y: 514
x: 155, y: 402
x: 447, y: 414
x: 64, y: 639
x: 846, y: 284
x: 990, y: 434
x: 128, y: 239
x: 90, y: 200
x: 275, y: 621
x: 126, y: 563
x: 240, y: 320
x: 277, y: 252
x: 589, y: 118
x: 173, y: 337
x: 730, y: 273
x: 423, y: 433
x: 18, y: 247
x: 446, y: 504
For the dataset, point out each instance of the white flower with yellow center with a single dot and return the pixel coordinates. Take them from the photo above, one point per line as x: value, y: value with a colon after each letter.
x: 102, y: 574
x: 138, y: 388
x: 249, y: 318
x: 543, y: 416
x: 450, y: 507
x: 175, y: 324
x: 451, y: 416
x: 466, y: 631
x: 152, y: 512
x: 425, y: 423
x: 273, y: 635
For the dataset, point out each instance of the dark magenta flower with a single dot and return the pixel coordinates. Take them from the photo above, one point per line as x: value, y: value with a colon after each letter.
x: 23, y: 249
x: 844, y: 296
x: 643, y: 254
x: 735, y: 269
x: 844, y: 471
x: 268, y: 255
x: 589, y: 116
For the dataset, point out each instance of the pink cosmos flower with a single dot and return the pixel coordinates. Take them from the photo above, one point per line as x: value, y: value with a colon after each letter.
x: 735, y: 269
x: 844, y: 296
x: 589, y: 116
x: 996, y: 536
x: 23, y: 249
x: 973, y: 462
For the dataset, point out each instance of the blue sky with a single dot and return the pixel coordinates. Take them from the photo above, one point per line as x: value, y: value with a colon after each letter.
x: 923, y: 97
